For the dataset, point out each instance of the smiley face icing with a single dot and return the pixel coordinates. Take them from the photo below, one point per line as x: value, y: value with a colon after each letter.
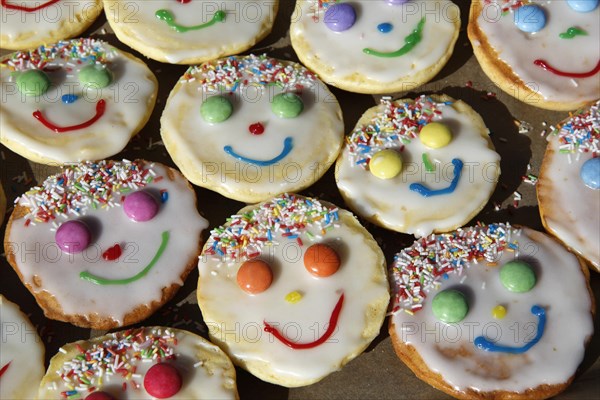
x: 543, y: 52
x: 378, y: 46
x: 28, y: 24
x: 568, y: 189
x: 252, y: 127
x: 312, y: 283
x: 419, y: 166
x: 22, y: 355
x: 154, y: 362
x: 104, y: 244
x: 491, y: 312
x: 190, y: 31
x: 76, y: 100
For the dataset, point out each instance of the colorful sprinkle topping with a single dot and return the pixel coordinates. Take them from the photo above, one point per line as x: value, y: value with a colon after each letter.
x: 83, y: 186
x: 394, y: 125
x: 325, y: 4
x: 418, y: 269
x: 81, y: 50
x: 581, y: 133
x: 230, y: 73
x: 295, y: 218
x: 507, y: 5
x: 92, y: 368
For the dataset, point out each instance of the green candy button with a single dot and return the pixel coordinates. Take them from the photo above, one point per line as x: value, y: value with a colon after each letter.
x: 216, y: 109
x: 33, y: 82
x: 450, y: 306
x: 287, y: 105
x: 517, y: 276
x: 95, y: 75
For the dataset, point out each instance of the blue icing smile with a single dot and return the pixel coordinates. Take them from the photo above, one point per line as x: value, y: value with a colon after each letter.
x: 288, y: 145
x: 426, y: 192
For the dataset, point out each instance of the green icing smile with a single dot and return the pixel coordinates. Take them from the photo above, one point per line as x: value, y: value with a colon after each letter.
x: 87, y: 276
x: 410, y: 42
x: 169, y: 18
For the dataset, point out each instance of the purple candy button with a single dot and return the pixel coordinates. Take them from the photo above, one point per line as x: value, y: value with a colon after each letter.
x: 340, y: 17
x: 140, y: 206
x: 73, y: 237
x: 397, y: 2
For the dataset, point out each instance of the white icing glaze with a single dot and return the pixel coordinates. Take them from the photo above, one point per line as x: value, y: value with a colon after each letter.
x: 519, y: 49
x: 561, y: 289
x: 343, y: 51
x: 46, y: 21
x: 196, y: 145
x: 129, y: 99
x: 239, y: 321
x: 203, y: 379
x: 571, y: 217
x: 23, y: 349
x: 399, y: 208
x: 243, y: 22
x: 39, y: 258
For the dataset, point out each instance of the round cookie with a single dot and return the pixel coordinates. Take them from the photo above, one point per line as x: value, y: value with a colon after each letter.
x: 76, y: 100
x: 252, y: 127
x: 26, y: 25
x: 377, y: 46
x: 22, y: 355
x: 419, y: 166
x: 153, y: 362
x: 77, y: 245
x: 2, y: 204
x: 190, y: 32
x: 312, y: 283
x: 568, y: 189
x: 545, y: 53
x: 510, y: 343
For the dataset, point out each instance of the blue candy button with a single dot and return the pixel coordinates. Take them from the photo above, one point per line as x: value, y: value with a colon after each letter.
x: 590, y: 173
x: 583, y: 6
x: 530, y: 18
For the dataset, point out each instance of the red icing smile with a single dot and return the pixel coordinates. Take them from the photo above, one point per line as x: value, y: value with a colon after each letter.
x: 3, y: 370
x: 544, y: 64
x: 100, y: 108
x: 335, y: 314
x: 27, y: 9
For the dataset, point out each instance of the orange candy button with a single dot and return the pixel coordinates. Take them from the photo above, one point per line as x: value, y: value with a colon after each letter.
x: 321, y: 260
x: 254, y: 276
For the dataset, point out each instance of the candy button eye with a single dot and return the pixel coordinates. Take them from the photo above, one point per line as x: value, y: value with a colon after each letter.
x: 385, y: 164
x: 99, y: 396
x: 287, y: 105
x: 590, y: 173
x: 435, y: 135
x: 33, y: 82
x: 583, y: 6
x: 517, y: 276
x: 321, y: 260
x: 162, y: 381
x: 95, y: 76
x: 530, y: 18
x: 254, y: 276
x: 73, y: 237
x: 140, y: 206
x: 450, y: 306
x: 340, y: 17
x: 216, y: 109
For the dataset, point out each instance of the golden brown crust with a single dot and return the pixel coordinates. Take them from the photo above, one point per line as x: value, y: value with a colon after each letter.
x: 501, y: 73
x: 53, y: 309
x: 2, y: 204
x: 413, y: 360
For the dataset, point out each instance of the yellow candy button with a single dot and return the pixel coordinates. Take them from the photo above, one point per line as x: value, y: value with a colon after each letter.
x: 386, y: 164
x: 293, y: 297
x: 435, y: 135
x: 499, y: 312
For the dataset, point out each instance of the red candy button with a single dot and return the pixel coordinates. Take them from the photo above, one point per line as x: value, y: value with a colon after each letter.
x: 162, y: 381
x: 257, y: 129
x: 99, y: 396
x: 113, y: 253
